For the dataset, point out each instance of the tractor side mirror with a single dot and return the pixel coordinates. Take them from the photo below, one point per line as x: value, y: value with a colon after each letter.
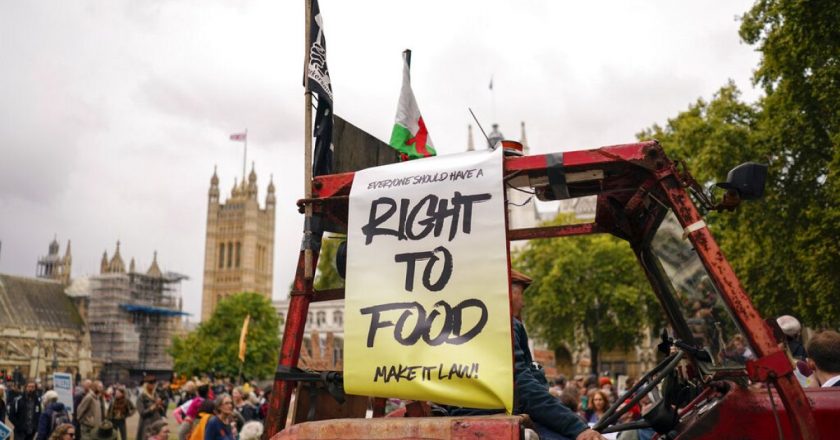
x: 747, y: 179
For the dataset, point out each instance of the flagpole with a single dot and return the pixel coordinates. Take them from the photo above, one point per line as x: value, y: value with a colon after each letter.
x: 245, y: 158
x: 307, y: 145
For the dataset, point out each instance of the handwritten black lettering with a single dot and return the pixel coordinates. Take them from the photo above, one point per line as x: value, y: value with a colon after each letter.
x: 410, y: 258
x: 451, y: 328
x: 437, y: 213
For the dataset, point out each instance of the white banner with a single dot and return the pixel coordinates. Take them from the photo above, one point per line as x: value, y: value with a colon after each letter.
x: 63, y: 385
x: 427, y: 308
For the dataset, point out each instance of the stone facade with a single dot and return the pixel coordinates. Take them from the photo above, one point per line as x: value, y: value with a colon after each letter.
x: 239, y: 246
x: 41, y: 331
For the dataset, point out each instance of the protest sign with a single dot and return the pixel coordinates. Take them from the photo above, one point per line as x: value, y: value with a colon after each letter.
x: 427, y: 309
x: 5, y: 431
x: 63, y: 385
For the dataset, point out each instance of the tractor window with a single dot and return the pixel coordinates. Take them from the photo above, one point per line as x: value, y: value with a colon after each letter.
x: 700, y: 303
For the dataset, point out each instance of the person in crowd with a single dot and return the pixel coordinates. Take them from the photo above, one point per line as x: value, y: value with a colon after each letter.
x: 121, y: 409
x: 25, y: 412
x: 265, y: 402
x: 158, y: 430
x: 193, y: 411
x: 793, y: 336
x: 149, y: 406
x: 605, y: 384
x: 559, y: 384
x: 242, y: 407
x: 598, y: 404
x: 205, y: 412
x: 54, y: 414
x: 824, y: 358
x: 65, y: 431
x: 570, y: 398
x: 91, y: 411
x: 186, y: 393
x: 221, y: 426
x: 2, y: 403
x: 551, y: 419
x: 252, y: 430
x: 81, y: 392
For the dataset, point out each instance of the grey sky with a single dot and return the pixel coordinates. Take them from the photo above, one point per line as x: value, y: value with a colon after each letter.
x: 115, y: 112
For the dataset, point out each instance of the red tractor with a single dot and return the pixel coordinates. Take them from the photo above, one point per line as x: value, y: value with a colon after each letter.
x: 646, y: 199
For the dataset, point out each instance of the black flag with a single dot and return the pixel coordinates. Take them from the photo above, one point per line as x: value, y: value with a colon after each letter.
x: 319, y: 82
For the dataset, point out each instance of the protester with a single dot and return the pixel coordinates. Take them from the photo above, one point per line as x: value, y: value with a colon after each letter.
x: 252, y: 430
x: 824, y: 358
x: 243, y: 409
x: 605, y: 384
x: 2, y: 404
x: 792, y: 330
x: 25, y: 412
x: 54, y: 414
x: 149, y: 406
x: 65, y: 431
x: 205, y: 412
x: 121, y: 408
x: 81, y: 392
x: 221, y: 426
x: 551, y: 419
x: 158, y: 430
x: 91, y: 411
x: 598, y: 403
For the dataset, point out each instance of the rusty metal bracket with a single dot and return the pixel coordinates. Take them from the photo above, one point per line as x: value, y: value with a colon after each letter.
x: 769, y: 367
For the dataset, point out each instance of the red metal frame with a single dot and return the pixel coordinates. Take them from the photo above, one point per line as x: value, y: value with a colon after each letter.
x: 631, y: 172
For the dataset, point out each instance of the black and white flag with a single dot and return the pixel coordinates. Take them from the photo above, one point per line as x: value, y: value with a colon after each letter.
x: 317, y: 71
x: 319, y: 82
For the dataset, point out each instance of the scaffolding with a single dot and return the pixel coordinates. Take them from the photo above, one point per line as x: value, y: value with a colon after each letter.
x: 132, y: 318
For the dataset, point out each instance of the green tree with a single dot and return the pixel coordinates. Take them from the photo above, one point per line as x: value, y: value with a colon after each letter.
x: 784, y: 247
x: 214, y: 345
x: 590, y: 287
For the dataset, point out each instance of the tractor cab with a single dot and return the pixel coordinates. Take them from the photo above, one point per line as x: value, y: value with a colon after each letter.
x: 722, y: 375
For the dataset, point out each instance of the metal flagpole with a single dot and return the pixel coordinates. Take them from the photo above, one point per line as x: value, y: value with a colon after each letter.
x: 308, y: 271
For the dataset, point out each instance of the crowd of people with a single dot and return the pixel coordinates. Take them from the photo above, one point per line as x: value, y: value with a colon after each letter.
x: 201, y: 409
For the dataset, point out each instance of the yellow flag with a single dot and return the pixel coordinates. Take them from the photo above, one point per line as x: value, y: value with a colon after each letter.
x: 242, y: 336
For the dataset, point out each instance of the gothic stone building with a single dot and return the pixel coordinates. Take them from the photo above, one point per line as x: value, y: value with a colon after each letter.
x: 239, y: 247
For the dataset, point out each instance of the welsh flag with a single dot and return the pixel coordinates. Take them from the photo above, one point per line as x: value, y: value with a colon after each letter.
x: 409, y: 135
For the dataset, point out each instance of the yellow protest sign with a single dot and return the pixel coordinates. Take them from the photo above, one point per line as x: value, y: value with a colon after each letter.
x: 427, y: 311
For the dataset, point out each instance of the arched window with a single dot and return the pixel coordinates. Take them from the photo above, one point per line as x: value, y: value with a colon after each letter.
x: 230, y: 254
x: 321, y: 318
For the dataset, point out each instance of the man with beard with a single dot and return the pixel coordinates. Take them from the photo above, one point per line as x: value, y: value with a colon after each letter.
x: 24, y: 412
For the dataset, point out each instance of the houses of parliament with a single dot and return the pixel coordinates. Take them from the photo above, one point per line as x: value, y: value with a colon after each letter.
x: 239, y: 245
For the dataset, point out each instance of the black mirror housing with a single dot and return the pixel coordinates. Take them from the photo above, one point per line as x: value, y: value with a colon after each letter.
x: 748, y: 179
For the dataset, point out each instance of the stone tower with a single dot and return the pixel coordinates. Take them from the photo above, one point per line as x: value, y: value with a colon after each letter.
x: 55, y: 267
x: 239, y: 246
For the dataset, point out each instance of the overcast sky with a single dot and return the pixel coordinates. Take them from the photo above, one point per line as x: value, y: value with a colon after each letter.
x: 113, y: 113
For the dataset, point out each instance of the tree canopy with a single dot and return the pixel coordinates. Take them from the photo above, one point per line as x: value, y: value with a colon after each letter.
x: 588, y: 288
x: 214, y: 345
x: 784, y: 248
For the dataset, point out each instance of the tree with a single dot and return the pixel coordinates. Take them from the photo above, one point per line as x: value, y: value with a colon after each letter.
x: 327, y: 276
x: 783, y: 247
x: 214, y: 345
x: 590, y: 287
